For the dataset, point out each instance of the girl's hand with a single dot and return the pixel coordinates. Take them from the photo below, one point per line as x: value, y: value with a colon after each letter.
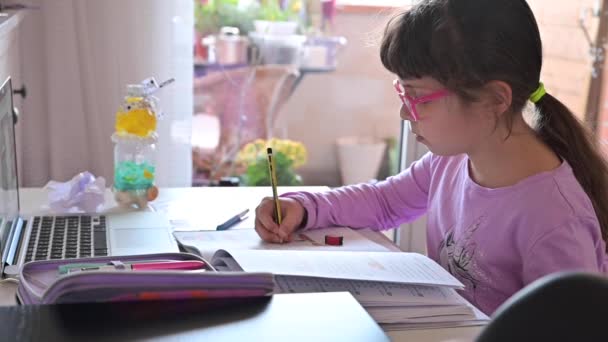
x: 292, y: 213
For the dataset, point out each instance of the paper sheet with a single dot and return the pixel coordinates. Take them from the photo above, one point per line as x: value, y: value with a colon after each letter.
x: 432, y: 314
x: 206, y: 243
x: 372, y: 293
x: 478, y: 318
x: 410, y: 268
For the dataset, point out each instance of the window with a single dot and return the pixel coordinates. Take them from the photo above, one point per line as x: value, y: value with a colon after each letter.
x: 254, y: 82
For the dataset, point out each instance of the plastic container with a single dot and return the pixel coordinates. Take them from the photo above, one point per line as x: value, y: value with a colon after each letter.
x: 322, y: 52
x: 277, y: 49
x: 360, y: 159
x: 275, y: 27
x: 135, y: 146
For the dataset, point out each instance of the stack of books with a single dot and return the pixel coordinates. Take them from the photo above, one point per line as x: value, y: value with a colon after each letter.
x: 399, y: 290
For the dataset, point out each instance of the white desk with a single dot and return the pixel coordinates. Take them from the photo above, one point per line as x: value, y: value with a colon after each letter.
x: 205, y: 207
x: 209, y: 206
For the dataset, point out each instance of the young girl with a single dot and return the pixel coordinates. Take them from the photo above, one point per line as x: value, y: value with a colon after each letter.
x: 506, y: 202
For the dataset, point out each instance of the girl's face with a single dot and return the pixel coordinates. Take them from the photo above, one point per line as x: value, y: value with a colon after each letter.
x: 447, y: 125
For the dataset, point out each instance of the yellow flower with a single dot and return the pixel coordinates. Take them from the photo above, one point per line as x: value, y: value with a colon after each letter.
x: 294, y: 150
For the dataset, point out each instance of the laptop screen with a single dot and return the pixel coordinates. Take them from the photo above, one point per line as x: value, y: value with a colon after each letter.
x: 9, y: 196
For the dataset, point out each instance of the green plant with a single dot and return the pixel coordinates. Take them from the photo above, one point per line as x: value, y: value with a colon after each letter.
x: 257, y: 173
x: 271, y: 11
x: 212, y: 15
x: 288, y: 156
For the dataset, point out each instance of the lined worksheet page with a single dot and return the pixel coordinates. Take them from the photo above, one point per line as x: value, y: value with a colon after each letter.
x: 398, y: 267
x: 372, y: 293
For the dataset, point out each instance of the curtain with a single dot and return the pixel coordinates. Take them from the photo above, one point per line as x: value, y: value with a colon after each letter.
x: 78, y: 56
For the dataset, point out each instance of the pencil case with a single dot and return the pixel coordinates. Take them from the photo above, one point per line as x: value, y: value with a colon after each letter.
x: 86, y: 281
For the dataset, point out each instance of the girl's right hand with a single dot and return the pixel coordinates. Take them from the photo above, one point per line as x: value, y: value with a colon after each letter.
x: 292, y: 213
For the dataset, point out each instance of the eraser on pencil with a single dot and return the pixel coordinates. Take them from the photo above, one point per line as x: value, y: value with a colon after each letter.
x: 333, y: 240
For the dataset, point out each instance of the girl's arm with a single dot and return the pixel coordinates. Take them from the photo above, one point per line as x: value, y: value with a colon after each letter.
x: 383, y: 205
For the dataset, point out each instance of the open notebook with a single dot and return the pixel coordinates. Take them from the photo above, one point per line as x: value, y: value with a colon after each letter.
x: 389, y: 267
x: 206, y: 243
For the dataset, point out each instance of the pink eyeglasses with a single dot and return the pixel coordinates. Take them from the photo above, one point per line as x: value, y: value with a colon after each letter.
x: 410, y: 102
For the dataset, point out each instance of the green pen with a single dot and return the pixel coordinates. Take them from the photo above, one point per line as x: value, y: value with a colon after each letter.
x: 65, y: 269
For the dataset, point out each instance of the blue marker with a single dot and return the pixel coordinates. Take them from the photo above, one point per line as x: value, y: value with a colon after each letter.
x: 233, y: 220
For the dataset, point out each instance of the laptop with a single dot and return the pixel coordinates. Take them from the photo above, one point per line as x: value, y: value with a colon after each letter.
x: 24, y: 238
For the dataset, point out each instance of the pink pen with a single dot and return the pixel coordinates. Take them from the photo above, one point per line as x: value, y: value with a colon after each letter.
x: 148, y: 266
x: 170, y: 265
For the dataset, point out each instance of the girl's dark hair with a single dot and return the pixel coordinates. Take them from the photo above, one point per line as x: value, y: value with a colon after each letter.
x: 464, y: 44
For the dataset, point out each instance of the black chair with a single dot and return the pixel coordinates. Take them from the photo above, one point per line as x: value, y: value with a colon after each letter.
x: 559, y: 307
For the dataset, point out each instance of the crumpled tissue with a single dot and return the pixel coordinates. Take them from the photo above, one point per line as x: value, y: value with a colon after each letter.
x: 84, y: 192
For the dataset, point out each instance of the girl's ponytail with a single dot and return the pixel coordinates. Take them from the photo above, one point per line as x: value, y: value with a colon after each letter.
x: 565, y: 134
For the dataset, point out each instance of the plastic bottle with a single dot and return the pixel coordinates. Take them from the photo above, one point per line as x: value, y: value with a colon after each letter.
x: 135, y: 140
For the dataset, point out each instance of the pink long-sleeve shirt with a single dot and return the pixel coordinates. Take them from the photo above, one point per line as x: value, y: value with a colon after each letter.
x: 495, y: 241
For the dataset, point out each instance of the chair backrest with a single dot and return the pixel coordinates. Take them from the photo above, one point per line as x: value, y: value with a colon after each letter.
x: 559, y: 307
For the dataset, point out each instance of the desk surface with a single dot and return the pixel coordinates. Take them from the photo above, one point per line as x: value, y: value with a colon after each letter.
x: 294, y: 317
x: 204, y: 208
x: 201, y: 208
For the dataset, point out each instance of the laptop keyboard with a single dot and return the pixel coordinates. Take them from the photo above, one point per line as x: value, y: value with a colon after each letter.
x: 66, y: 237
